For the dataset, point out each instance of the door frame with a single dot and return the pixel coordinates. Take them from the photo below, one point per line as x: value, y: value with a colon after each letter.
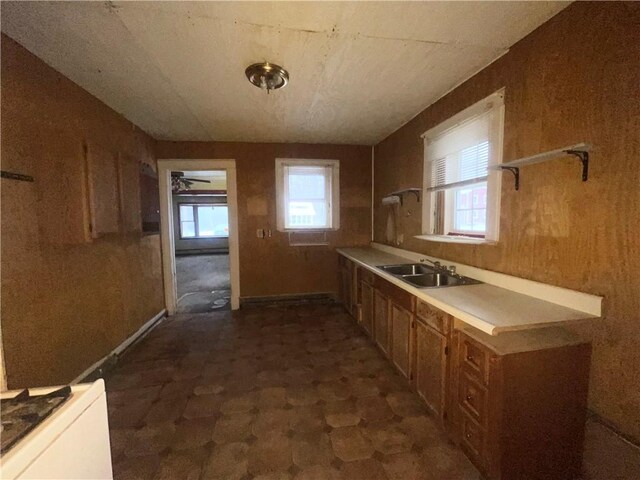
x: 167, y: 234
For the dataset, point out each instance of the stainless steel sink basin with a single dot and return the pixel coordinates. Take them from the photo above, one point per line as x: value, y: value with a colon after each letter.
x: 424, y: 276
x: 408, y: 269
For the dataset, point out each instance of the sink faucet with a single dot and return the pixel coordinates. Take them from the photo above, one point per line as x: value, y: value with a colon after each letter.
x: 452, y: 269
x: 435, y: 264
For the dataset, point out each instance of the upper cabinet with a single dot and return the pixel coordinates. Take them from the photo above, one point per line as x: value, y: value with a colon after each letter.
x: 129, y: 193
x: 104, y: 200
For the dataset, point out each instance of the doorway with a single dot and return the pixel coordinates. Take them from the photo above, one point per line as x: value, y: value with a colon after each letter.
x: 198, y: 209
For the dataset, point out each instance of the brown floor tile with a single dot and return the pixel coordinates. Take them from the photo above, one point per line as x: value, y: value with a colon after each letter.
x: 166, y: 410
x: 319, y: 472
x: 233, y: 428
x: 150, y: 440
x: 302, y: 395
x: 228, y: 462
x: 363, y: 470
x: 239, y: 403
x: 311, y: 448
x: 137, y: 468
x: 402, y: 466
x: 193, y: 433
x: 374, y: 409
x: 387, y: 437
x: 349, y: 444
x: 185, y: 465
x: 341, y: 414
x: 274, y: 421
x: 203, y: 406
x: 270, y: 455
x: 307, y: 418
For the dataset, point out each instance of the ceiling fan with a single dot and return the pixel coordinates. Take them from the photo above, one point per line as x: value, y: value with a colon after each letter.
x: 179, y: 182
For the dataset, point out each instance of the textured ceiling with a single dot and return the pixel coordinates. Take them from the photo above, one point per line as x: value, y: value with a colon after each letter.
x: 359, y: 70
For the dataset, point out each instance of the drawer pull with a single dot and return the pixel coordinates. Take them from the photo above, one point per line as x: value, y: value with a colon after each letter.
x: 469, y: 398
x: 469, y: 435
x: 470, y: 358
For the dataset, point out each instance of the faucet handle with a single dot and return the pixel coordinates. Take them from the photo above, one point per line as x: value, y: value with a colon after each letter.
x: 452, y: 269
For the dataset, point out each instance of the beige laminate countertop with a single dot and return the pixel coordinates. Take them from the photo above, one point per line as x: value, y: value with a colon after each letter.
x: 486, y: 307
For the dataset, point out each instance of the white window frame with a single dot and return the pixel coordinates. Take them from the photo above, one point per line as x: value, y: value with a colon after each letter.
x: 494, y: 177
x: 333, y: 195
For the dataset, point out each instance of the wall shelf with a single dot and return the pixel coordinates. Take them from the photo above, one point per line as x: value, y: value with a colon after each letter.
x: 580, y: 150
x: 400, y: 194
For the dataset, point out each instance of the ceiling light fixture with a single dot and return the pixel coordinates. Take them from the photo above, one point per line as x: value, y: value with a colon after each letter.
x: 267, y: 76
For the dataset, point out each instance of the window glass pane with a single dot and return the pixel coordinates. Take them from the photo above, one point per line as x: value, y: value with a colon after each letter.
x: 213, y: 221
x: 307, y: 214
x: 470, y: 209
x: 306, y: 204
x: 186, y: 212
x: 188, y: 229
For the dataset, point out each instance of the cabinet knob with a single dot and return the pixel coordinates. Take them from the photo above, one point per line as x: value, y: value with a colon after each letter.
x: 469, y: 435
x: 469, y: 398
x: 470, y: 358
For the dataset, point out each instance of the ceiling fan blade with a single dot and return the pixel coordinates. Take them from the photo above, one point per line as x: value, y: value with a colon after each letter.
x: 197, y: 180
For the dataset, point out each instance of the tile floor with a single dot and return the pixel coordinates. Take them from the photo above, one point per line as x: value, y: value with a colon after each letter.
x: 292, y: 392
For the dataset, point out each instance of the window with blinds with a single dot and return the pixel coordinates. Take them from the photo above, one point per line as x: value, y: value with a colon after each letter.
x: 461, y: 191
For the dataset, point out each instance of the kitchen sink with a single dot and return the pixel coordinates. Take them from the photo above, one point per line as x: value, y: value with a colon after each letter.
x: 407, y: 269
x: 424, y: 276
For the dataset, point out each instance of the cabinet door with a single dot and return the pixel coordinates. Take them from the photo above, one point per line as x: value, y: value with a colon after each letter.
x: 381, y: 323
x: 345, y: 288
x: 401, y: 338
x: 430, y: 367
x: 129, y: 191
x: 367, y: 307
x: 103, y: 191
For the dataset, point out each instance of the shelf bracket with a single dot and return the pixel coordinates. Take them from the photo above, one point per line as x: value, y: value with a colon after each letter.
x: 584, y: 158
x: 516, y: 175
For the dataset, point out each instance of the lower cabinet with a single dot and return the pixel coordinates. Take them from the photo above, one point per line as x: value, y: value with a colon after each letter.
x: 431, y: 367
x: 518, y: 409
x: 366, y: 307
x: 401, y: 322
x: 381, y: 322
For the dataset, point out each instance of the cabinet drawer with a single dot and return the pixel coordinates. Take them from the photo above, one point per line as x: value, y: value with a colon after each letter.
x: 474, y: 359
x: 472, y: 438
x: 472, y: 397
x: 366, y: 276
x: 435, y: 318
x: 397, y: 295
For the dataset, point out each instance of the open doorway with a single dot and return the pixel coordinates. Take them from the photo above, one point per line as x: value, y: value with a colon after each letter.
x: 201, y: 233
x: 198, y: 212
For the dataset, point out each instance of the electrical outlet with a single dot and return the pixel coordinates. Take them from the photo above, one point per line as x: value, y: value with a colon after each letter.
x: 260, y: 233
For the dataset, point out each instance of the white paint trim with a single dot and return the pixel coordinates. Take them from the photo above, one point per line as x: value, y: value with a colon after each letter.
x: 166, y: 224
x: 583, y: 302
x: 138, y: 335
x: 3, y: 371
x: 373, y: 198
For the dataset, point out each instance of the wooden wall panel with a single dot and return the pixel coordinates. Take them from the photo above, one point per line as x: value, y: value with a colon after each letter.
x: 303, y: 269
x: 66, y: 301
x: 103, y: 180
x: 564, y: 84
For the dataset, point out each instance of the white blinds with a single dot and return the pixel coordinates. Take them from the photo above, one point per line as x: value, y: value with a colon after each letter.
x: 460, y: 155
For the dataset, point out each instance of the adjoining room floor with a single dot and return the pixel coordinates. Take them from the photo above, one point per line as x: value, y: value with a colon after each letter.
x: 287, y: 392
x: 204, y: 282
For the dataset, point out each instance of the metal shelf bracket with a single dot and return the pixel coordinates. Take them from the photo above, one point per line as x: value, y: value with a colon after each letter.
x: 516, y: 175
x: 583, y: 156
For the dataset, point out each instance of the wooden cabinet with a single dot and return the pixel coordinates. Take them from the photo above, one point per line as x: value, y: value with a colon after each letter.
x: 431, y: 367
x: 345, y: 268
x: 431, y: 363
x: 401, y: 326
x: 381, y: 321
x: 519, y: 403
x: 366, y: 307
x: 129, y: 193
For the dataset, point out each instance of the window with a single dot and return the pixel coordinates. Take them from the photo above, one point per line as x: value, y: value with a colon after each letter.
x: 204, y: 220
x: 307, y: 194
x: 461, y: 191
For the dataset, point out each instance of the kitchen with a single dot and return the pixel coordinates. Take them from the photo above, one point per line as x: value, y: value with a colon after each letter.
x: 513, y: 317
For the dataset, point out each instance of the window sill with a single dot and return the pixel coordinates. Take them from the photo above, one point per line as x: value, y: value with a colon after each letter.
x: 456, y: 239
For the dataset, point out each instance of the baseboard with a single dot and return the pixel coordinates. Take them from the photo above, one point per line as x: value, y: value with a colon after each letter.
x: 631, y: 440
x: 97, y: 369
x: 288, y: 298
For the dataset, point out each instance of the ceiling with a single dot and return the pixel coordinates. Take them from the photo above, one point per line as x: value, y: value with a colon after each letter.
x: 358, y: 70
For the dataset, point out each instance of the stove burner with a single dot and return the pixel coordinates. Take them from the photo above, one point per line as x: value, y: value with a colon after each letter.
x: 24, y: 412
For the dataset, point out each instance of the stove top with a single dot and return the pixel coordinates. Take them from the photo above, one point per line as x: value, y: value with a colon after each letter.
x: 24, y: 412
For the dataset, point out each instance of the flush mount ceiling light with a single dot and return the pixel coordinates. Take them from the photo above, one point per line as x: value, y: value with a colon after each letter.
x: 267, y: 76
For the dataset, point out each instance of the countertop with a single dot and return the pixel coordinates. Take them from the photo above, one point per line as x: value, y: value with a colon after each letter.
x: 486, y: 307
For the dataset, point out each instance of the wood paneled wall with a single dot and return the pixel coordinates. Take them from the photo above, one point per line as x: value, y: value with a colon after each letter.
x: 270, y: 266
x: 574, y: 79
x: 67, y: 300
